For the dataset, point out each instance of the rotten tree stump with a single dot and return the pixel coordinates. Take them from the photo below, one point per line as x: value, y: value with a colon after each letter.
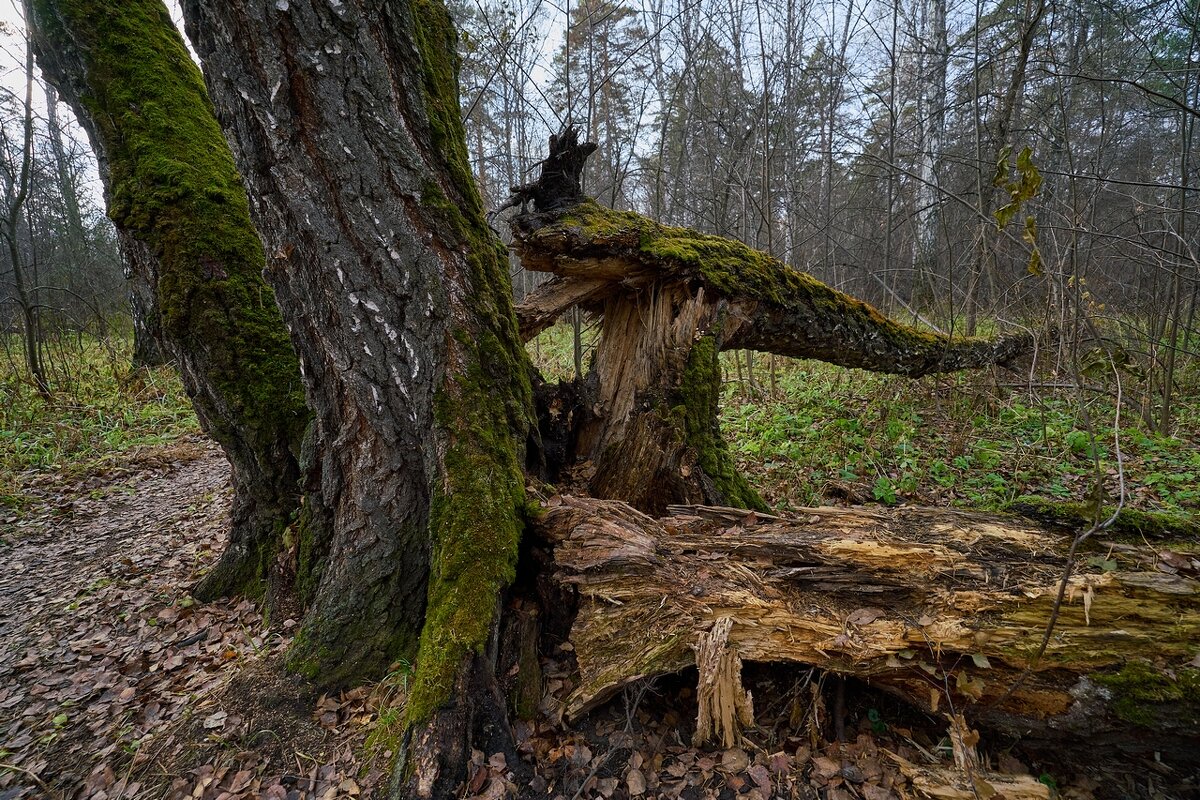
x: 671, y: 299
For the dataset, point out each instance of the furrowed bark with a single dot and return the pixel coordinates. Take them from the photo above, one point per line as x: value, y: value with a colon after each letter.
x: 942, y: 608
x: 671, y: 300
x: 345, y: 120
x: 195, y: 260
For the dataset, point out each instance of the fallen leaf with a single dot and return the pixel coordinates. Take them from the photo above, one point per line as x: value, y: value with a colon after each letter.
x: 635, y: 781
x: 865, y: 616
x: 761, y: 777
x: 734, y: 760
x: 216, y: 720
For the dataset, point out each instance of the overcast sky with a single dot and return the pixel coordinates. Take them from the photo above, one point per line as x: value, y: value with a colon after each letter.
x: 12, y: 72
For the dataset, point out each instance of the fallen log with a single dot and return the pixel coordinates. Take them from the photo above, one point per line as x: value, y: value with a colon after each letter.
x: 943, y: 608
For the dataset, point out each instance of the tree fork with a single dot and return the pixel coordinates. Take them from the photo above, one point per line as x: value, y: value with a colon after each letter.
x: 400, y: 307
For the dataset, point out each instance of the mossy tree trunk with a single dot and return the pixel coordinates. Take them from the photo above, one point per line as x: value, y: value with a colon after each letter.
x: 181, y: 212
x: 671, y: 299
x: 345, y: 120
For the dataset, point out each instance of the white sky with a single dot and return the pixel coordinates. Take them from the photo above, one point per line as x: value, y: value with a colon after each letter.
x: 12, y: 76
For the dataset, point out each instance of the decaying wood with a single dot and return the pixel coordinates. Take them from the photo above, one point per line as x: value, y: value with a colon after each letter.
x: 968, y: 780
x: 941, y: 783
x: 670, y: 299
x: 725, y: 707
x: 559, y: 182
x: 942, y: 608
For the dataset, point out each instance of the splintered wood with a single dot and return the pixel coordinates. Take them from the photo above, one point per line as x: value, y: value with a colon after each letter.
x: 937, y: 606
x: 725, y: 705
x: 943, y: 783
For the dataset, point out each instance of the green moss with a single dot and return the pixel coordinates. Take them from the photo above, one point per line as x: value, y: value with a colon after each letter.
x: 246, y: 577
x: 526, y: 696
x: 485, y: 406
x: 437, y: 43
x: 695, y: 405
x: 311, y: 546
x: 1130, y: 522
x: 730, y: 268
x: 1141, y: 694
x: 174, y: 187
x: 308, y: 666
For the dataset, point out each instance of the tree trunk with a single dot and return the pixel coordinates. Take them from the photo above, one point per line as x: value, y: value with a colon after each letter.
x: 147, y: 336
x: 945, y: 609
x: 181, y: 212
x: 62, y: 172
x: 671, y: 300
x: 934, y: 55
x: 399, y: 304
x: 17, y: 195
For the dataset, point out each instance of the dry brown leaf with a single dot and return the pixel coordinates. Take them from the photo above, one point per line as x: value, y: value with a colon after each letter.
x: 635, y: 781
x: 735, y: 760
x: 865, y: 616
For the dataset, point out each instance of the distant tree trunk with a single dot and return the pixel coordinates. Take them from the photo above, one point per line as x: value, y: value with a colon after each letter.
x: 182, y: 215
x: 934, y: 55
x: 985, y: 274
x: 17, y: 194
x: 398, y: 298
x: 62, y: 171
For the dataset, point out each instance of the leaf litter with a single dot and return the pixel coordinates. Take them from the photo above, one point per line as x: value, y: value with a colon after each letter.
x: 114, y: 683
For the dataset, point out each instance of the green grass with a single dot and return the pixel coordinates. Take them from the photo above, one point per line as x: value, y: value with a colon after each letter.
x: 99, y: 409
x: 828, y: 434
x: 962, y: 440
x: 824, y: 435
x: 553, y: 350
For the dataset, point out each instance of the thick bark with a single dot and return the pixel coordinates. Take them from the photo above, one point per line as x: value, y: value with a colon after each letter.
x: 196, y: 262
x: 945, y: 609
x: 345, y: 120
x: 671, y: 299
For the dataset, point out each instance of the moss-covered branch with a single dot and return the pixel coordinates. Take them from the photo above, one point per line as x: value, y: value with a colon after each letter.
x: 777, y: 309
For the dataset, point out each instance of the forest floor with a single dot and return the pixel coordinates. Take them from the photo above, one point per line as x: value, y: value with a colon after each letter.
x: 114, y: 683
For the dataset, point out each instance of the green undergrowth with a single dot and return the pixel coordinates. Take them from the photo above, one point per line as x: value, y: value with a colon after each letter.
x: 825, y: 435
x: 828, y: 434
x: 99, y: 410
x: 1141, y: 694
x: 553, y: 350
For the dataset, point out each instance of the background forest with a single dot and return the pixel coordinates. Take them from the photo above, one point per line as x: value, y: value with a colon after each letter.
x: 961, y: 165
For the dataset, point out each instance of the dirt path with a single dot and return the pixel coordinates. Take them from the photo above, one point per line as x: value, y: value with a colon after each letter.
x: 101, y: 647
x: 115, y: 683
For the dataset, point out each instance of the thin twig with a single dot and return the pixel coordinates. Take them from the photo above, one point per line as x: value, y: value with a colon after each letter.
x: 23, y: 771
